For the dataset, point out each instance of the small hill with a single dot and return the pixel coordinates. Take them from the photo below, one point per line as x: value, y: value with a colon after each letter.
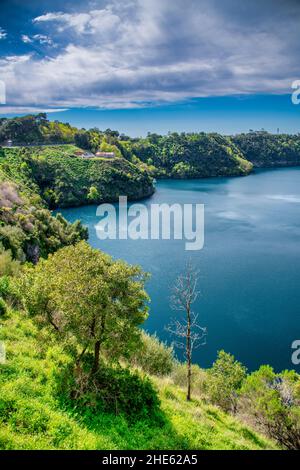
x: 269, y: 150
x: 197, y: 155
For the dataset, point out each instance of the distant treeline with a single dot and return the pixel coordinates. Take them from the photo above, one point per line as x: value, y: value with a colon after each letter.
x: 184, y: 155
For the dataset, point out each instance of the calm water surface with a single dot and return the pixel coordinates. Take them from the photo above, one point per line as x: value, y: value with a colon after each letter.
x: 250, y: 264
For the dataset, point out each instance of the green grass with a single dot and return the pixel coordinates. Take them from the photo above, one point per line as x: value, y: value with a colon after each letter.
x: 32, y: 416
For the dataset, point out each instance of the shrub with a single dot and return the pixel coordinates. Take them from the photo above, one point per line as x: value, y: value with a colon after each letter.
x: 3, y: 307
x: 120, y: 391
x: 4, y: 286
x: 273, y: 402
x: 224, y: 381
x: 154, y: 356
x: 8, y: 266
x: 179, y: 377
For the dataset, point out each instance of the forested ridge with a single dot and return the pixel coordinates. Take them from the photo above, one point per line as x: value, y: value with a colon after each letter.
x: 176, y: 155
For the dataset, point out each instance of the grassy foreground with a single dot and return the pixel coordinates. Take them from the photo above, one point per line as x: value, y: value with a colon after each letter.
x: 33, y: 417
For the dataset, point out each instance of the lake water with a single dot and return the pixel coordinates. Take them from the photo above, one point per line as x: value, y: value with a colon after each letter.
x: 250, y: 264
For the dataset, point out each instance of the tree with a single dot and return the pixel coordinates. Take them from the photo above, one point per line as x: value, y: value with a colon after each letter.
x: 93, y: 194
x: 189, y: 334
x: 224, y: 381
x: 83, y: 293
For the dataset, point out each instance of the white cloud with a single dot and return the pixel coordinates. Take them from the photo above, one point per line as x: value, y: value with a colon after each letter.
x: 93, y: 22
x: 40, y: 38
x: 28, y: 110
x: 142, y: 51
x: 26, y: 39
x: 3, y: 33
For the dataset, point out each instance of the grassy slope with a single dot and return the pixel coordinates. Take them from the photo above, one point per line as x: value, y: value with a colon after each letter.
x: 32, y: 418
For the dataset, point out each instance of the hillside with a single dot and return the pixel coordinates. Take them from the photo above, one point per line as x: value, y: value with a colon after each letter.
x: 184, y: 155
x: 64, y: 179
x: 28, y: 230
x: 192, y: 155
x: 268, y: 150
x: 33, y: 417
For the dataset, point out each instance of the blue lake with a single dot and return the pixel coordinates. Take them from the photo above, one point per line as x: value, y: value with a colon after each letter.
x: 250, y: 264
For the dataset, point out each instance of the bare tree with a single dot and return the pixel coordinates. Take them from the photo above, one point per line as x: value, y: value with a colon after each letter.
x: 189, y: 334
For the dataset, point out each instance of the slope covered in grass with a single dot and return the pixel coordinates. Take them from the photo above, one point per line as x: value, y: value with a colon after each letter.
x: 33, y: 415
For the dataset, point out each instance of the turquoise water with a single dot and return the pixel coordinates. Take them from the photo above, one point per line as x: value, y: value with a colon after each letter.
x: 250, y: 264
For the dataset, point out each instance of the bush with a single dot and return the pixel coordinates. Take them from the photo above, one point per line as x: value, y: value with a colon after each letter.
x: 179, y: 377
x: 4, y: 286
x: 3, y: 307
x: 8, y: 266
x: 273, y: 402
x: 120, y: 391
x: 154, y: 357
x: 224, y: 381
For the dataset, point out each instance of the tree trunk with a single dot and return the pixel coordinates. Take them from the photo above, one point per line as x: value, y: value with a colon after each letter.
x: 189, y: 355
x: 96, y: 357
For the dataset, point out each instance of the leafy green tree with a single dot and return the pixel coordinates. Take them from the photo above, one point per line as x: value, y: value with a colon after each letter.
x: 84, y: 294
x: 93, y: 194
x: 224, y: 381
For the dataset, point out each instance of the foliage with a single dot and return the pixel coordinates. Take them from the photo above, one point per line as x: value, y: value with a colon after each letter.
x: 120, y: 391
x: 82, y: 292
x: 5, y: 288
x: 154, y: 356
x: 273, y: 402
x: 8, y: 266
x: 266, y: 150
x: 32, y: 417
x: 192, y: 155
x: 3, y: 307
x: 198, y: 377
x: 33, y: 129
x: 93, y: 194
x: 185, y: 155
x: 63, y: 179
x: 28, y: 230
x: 224, y: 381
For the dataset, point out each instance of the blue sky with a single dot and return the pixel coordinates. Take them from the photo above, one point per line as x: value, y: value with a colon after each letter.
x: 153, y: 65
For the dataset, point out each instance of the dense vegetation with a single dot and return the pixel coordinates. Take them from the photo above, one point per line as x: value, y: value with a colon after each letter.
x: 185, y: 155
x: 27, y: 228
x: 267, y: 150
x: 191, y: 155
x: 63, y: 179
x: 33, y: 129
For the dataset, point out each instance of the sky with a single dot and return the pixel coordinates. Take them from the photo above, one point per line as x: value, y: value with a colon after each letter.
x: 153, y: 65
